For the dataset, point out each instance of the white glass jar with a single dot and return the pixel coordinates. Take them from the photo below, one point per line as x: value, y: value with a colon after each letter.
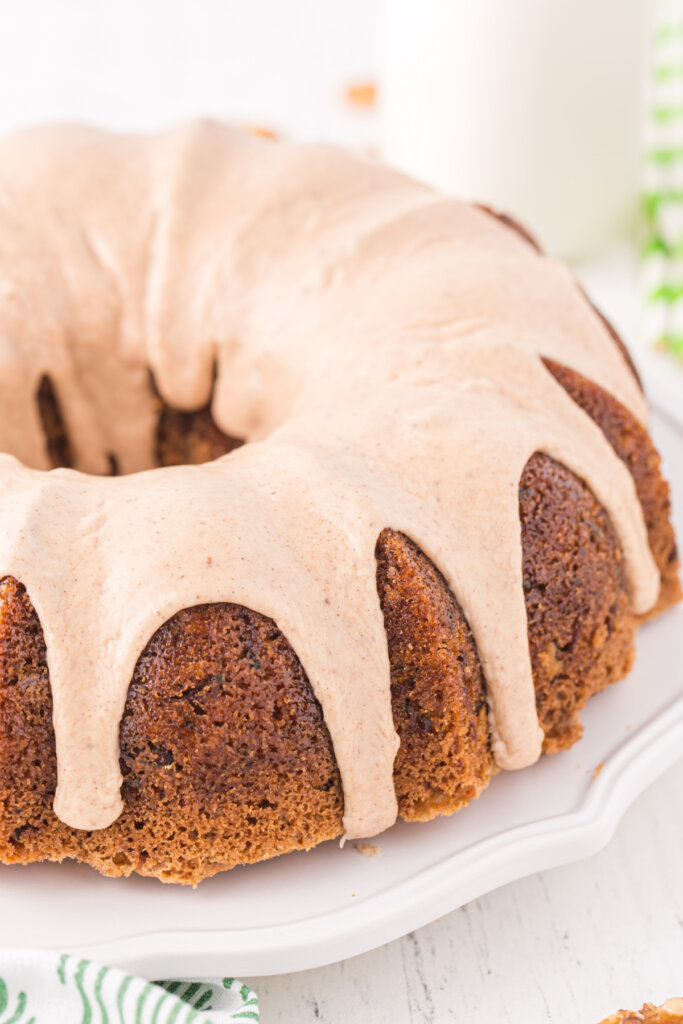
x: 534, y: 106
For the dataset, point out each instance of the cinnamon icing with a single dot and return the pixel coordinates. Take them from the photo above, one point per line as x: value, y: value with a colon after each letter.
x: 379, y: 345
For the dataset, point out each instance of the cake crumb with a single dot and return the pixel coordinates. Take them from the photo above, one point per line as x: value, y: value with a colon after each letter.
x: 596, y: 772
x: 367, y: 849
x: 670, y: 1012
x: 361, y: 94
x: 262, y: 132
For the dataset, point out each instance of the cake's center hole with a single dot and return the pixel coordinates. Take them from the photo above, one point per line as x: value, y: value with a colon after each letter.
x: 189, y: 438
x: 54, y: 427
x: 182, y: 438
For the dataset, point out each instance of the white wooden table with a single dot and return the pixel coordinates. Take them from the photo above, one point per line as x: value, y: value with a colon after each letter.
x: 567, y: 946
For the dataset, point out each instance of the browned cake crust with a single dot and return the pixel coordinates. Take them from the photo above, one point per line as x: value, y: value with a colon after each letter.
x: 225, y: 755
x: 670, y: 1012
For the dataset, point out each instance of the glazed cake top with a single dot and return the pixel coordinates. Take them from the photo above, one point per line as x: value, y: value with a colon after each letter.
x: 381, y: 348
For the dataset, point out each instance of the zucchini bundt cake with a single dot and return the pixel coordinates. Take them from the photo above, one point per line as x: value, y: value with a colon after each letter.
x: 446, y: 523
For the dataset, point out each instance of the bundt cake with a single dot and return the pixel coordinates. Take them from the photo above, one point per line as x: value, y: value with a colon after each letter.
x: 435, y: 546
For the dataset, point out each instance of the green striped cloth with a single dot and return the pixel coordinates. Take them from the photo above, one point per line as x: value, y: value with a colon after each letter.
x: 663, y: 254
x: 45, y: 988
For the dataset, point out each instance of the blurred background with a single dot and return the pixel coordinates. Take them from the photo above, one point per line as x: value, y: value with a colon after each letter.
x: 568, y: 115
x: 144, y: 64
x: 530, y: 105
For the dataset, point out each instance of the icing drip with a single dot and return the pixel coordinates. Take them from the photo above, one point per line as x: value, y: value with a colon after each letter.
x: 380, y: 346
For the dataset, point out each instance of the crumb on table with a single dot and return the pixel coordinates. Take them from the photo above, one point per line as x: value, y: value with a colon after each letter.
x: 361, y: 94
x: 367, y: 849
